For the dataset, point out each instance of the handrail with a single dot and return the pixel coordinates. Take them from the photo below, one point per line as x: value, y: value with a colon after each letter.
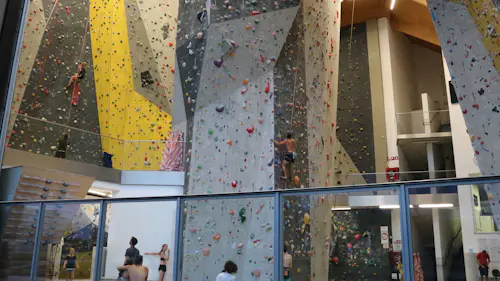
x: 285, y: 192
x: 89, y: 132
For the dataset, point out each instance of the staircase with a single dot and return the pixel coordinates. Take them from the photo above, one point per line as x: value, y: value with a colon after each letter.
x: 18, y: 223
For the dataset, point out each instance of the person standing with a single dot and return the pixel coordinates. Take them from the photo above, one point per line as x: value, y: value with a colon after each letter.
x: 70, y: 265
x: 62, y: 147
x: 230, y: 268
x: 290, y: 154
x: 287, y: 264
x: 483, y: 260
x: 164, y: 257
x: 132, y: 252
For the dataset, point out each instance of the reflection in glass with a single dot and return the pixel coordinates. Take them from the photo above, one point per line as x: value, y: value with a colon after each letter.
x: 17, y: 235
x: 345, y: 236
x: 483, y: 214
x: 153, y: 225
x: 67, y: 241
x: 437, y: 231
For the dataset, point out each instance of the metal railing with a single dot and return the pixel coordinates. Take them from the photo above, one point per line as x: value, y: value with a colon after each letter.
x: 420, y: 122
x: 277, y: 197
x: 47, y: 138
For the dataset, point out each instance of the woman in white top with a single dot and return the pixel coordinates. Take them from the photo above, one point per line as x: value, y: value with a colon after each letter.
x: 230, y: 268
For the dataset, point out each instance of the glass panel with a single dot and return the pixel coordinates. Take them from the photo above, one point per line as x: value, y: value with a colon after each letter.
x: 17, y: 236
x: 482, y: 210
x: 152, y: 224
x: 67, y: 242
x: 342, y: 236
x: 240, y: 230
x: 439, y: 236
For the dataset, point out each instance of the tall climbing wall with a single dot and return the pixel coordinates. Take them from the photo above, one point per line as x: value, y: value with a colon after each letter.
x: 56, y: 40
x: 468, y: 33
x: 127, y: 91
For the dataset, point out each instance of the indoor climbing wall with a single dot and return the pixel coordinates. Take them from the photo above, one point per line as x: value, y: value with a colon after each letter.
x: 126, y: 94
x: 44, y: 70
x: 356, y: 251
x: 354, y: 112
x: 240, y: 230
x: 135, y: 119
x: 468, y: 35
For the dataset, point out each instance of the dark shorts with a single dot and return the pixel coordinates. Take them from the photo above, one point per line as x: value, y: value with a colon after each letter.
x: 290, y: 157
x: 162, y: 268
x: 483, y: 271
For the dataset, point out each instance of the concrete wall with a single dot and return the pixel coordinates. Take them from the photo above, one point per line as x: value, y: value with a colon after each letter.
x: 429, y: 75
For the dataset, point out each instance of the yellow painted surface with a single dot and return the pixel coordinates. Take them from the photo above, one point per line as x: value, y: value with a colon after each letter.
x: 124, y: 114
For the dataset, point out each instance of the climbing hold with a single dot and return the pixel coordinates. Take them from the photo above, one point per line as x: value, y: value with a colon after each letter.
x: 219, y: 108
x: 243, y: 217
x: 260, y: 120
x: 218, y: 62
x: 268, y: 88
x: 245, y: 81
x: 357, y: 236
x: 230, y: 142
x: 206, y: 252
x: 234, y: 184
x: 307, y: 218
x: 256, y: 273
x: 250, y: 129
x: 210, y: 131
x: 216, y: 237
x: 296, y: 180
x: 239, y: 246
x: 231, y: 212
x: 199, y: 35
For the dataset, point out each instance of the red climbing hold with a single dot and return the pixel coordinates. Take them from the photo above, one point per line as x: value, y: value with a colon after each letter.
x: 250, y: 129
x: 268, y: 88
x: 262, y: 59
x: 234, y: 184
x: 254, y: 13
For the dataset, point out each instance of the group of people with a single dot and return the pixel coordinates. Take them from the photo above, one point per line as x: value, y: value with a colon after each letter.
x: 133, y: 269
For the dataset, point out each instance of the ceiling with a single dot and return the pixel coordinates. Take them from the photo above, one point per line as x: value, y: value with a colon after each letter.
x: 411, y: 17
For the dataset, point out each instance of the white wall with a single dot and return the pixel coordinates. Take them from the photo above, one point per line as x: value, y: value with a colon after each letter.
x: 152, y: 223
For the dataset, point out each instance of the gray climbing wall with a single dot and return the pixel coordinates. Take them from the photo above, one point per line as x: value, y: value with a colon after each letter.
x: 354, y: 112
x: 47, y: 61
x: 468, y: 36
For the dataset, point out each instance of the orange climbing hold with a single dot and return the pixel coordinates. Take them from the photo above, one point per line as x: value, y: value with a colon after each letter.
x: 296, y: 180
x: 245, y: 81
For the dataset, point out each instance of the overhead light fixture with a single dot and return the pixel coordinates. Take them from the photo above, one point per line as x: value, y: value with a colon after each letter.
x: 341, y: 208
x: 389, y: 206
x: 393, y: 2
x: 428, y: 206
x: 97, y: 193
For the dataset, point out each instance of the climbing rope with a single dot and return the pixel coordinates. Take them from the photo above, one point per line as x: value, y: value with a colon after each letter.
x: 350, y: 36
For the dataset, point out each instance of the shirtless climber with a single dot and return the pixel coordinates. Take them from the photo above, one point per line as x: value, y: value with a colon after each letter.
x: 290, y: 154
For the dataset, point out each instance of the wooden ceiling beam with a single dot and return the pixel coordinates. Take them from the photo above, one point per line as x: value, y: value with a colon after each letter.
x: 418, y: 31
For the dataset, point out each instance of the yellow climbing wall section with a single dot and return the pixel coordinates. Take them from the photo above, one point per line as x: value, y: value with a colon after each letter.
x: 130, y: 124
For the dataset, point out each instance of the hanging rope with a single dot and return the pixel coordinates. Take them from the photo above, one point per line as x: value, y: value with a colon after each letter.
x: 352, y: 27
x: 84, y: 41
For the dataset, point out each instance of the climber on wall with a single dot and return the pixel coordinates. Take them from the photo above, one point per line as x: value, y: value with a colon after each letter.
x: 75, y: 81
x: 290, y: 154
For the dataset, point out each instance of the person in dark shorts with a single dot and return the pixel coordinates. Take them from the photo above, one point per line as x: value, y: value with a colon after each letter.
x: 289, y: 143
x: 164, y: 257
x: 70, y: 265
x: 483, y: 260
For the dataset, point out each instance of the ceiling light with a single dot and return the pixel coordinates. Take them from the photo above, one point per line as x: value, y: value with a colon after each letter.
x: 444, y: 205
x: 97, y: 193
x: 389, y: 206
x: 393, y: 2
x: 341, y: 208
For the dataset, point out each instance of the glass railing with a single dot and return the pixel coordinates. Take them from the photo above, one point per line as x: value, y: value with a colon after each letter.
x: 52, y: 139
x: 385, y: 231
x: 421, y: 122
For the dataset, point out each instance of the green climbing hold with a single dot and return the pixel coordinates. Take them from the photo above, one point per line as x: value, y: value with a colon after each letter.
x: 241, y: 213
x: 210, y: 131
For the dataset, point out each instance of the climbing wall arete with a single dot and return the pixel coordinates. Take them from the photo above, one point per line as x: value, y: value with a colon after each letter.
x: 468, y: 35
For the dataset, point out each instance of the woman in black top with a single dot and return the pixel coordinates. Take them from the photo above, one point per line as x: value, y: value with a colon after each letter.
x: 70, y: 265
x: 164, y: 257
x: 78, y: 76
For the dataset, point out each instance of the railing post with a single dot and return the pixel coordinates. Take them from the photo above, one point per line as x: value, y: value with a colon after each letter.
x: 278, y: 237
x: 406, y: 235
x: 178, y: 240
x: 101, y: 229
x: 38, y: 235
